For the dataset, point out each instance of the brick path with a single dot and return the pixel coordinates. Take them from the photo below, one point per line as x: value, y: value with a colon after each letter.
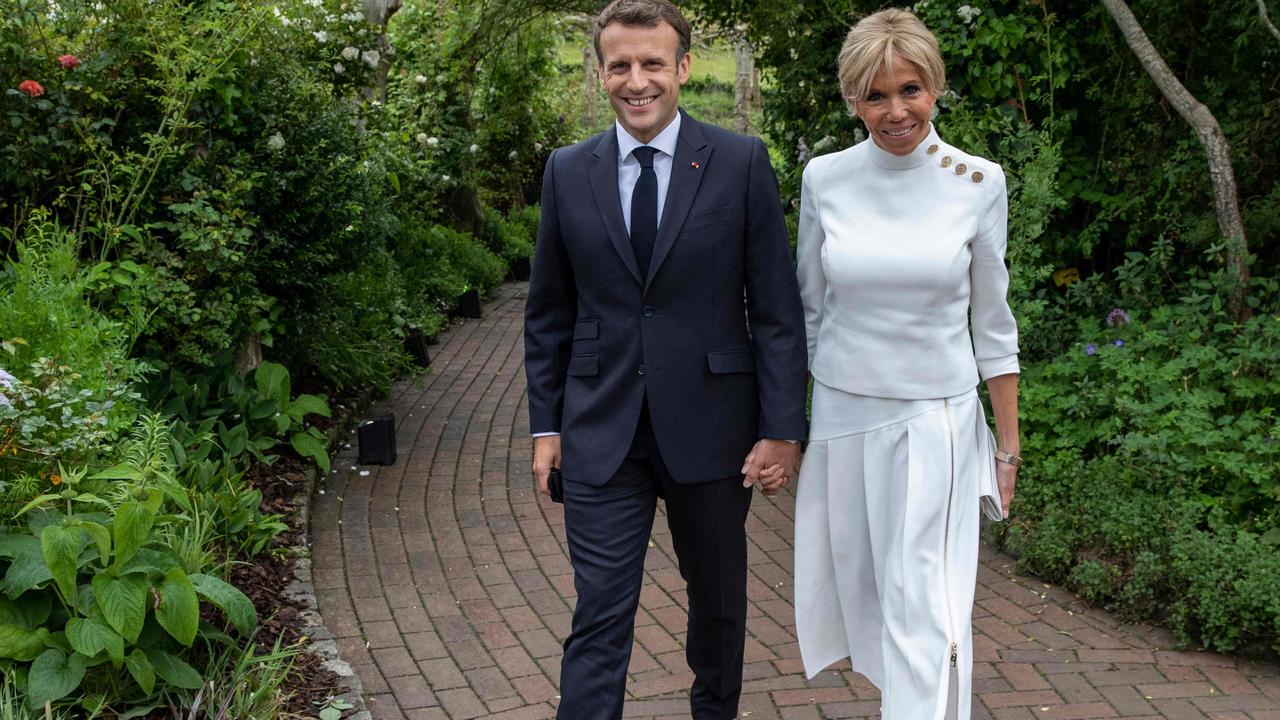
x: 448, y: 586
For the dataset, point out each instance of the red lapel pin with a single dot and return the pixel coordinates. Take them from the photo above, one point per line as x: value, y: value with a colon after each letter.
x: 695, y: 164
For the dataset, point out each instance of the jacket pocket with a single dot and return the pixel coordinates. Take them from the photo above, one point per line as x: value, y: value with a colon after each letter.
x: 723, y: 362
x: 584, y: 366
x: 703, y: 219
x: 586, y: 329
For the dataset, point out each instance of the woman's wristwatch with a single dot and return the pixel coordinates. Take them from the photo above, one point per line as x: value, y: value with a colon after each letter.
x: 1004, y: 457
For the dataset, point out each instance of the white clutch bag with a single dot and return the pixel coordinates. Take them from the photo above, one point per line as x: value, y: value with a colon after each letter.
x: 988, y: 489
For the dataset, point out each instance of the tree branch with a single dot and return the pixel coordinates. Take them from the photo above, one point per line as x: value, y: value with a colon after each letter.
x: 1266, y: 21
x: 1216, y: 149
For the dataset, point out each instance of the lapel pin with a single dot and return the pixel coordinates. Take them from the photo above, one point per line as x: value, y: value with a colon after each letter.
x: 695, y: 164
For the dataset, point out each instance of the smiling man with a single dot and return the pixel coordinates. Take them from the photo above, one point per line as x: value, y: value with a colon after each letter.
x: 665, y: 355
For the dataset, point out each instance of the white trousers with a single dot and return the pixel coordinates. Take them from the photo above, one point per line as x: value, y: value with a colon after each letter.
x: 887, y: 552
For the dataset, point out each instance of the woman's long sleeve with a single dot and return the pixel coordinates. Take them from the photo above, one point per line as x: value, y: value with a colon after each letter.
x: 995, y: 333
x: 813, y: 281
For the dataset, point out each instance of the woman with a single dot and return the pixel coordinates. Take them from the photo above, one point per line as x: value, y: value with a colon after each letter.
x: 901, y: 238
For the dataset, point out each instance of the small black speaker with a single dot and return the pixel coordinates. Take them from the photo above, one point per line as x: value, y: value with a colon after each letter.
x: 521, y: 268
x: 377, y: 441
x: 415, y: 344
x: 469, y: 304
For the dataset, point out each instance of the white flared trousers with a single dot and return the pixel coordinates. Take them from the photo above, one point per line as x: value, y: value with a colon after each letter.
x: 887, y: 555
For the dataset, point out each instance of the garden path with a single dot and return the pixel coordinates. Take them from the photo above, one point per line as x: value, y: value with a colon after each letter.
x: 446, y: 581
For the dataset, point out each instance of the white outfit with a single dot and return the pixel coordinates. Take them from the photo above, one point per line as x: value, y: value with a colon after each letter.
x: 894, y: 254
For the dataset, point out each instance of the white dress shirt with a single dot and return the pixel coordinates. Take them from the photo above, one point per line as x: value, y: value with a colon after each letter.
x: 894, y: 256
x: 629, y: 166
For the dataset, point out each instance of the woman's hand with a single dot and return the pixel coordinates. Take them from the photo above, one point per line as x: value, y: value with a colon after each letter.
x: 1006, y: 478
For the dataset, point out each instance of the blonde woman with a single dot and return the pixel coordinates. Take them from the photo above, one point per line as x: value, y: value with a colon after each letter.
x: 901, y: 242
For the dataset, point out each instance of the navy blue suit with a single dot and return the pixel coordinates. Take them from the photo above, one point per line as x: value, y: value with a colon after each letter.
x: 659, y: 386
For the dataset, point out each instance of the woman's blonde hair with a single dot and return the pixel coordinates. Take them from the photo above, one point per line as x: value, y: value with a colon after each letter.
x: 880, y: 39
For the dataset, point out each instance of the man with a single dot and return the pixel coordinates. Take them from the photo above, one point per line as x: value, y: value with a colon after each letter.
x: 665, y: 354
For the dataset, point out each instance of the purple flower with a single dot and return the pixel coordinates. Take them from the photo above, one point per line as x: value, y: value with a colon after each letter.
x: 4, y: 400
x: 7, y: 380
x: 1118, y: 342
x: 1117, y: 317
x: 1090, y: 349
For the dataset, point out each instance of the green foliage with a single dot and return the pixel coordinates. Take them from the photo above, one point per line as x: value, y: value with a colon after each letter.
x: 510, y: 240
x: 92, y: 583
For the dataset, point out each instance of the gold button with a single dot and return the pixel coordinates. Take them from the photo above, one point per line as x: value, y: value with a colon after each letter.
x: 946, y: 161
x: 933, y: 149
x: 977, y: 176
x: 961, y: 168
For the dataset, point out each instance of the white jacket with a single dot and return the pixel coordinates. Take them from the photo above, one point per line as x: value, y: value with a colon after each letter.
x: 894, y: 252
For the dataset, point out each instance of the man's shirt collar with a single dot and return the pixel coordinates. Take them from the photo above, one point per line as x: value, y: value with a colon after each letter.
x: 665, y: 141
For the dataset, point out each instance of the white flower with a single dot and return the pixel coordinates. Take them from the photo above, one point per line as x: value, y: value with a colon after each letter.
x: 537, y: 146
x: 513, y: 155
x: 433, y: 142
x: 422, y: 138
x: 349, y: 53
x: 353, y: 17
x: 967, y: 13
x: 473, y: 149
x: 370, y: 58
x: 445, y: 178
x: 315, y: 3
x: 275, y: 142
x: 421, y: 79
x: 321, y: 36
x: 339, y: 68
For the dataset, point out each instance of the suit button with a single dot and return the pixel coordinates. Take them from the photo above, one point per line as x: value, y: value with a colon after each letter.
x: 640, y: 369
x: 648, y: 311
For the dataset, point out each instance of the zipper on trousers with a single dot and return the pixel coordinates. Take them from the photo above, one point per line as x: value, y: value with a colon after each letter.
x: 946, y: 532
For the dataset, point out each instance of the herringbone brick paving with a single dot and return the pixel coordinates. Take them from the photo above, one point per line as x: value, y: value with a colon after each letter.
x: 446, y: 581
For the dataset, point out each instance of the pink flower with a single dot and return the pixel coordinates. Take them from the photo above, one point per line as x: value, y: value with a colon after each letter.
x: 68, y: 61
x: 31, y: 88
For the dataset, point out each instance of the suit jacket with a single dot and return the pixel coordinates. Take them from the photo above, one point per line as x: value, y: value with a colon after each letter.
x: 712, y: 339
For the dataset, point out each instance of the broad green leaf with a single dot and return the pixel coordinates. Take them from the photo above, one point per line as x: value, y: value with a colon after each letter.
x: 132, y: 530
x: 309, y: 446
x: 234, y: 439
x: 394, y: 179
x: 60, y: 547
x: 20, y: 643
x: 53, y: 676
x: 27, y: 569
x: 141, y: 670
x: 30, y: 610
x: 272, y: 380
x: 173, y: 670
x: 101, y: 537
x: 330, y: 713
x: 90, y: 636
x: 143, y: 710
x: 123, y: 471
x: 179, y: 610
x: 41, y: 500
x: 308, y: 405
x: 227, y: 598
x: 123, y: 601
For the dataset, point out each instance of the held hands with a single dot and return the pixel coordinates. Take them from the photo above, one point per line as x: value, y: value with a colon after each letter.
x: 546, y: 455
x: 771, y: 464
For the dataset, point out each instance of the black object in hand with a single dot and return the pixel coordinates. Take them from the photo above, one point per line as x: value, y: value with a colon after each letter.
x: 555, y: 483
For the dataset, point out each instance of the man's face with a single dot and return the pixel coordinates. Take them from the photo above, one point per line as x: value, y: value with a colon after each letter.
x: 640, y: 73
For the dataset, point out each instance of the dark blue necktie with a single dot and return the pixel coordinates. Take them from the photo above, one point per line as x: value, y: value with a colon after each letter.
x: 644, y: 209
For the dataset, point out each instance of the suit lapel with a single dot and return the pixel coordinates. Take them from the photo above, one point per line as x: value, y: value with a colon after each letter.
x: 687, y: 168
x: 604, y: 187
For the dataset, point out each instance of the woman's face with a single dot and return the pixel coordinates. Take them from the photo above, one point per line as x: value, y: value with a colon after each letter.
x: 897, y: 108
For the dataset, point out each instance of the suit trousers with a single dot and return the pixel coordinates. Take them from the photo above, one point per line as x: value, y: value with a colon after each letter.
x: 608, y: 529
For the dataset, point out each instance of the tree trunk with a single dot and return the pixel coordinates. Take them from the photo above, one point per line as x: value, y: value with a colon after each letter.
x: 1266, y: 21
x: 744, y: 67
x: 589, y: 80
x: 1215, y: 145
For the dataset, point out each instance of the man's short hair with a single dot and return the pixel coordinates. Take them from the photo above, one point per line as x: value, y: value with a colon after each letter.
x: 880, y: 39
x: 642, y: 13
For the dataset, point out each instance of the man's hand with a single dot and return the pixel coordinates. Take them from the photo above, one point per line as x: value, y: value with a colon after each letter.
x: 771, y: 464
x: 546, y: 455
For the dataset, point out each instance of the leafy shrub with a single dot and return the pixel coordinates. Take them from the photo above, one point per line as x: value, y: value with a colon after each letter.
x: 1154, y: 465
x: 509, y: 240
x: 95, y: 597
